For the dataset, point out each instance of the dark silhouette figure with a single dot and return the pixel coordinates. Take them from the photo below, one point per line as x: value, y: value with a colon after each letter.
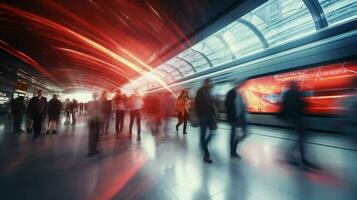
x: 54, y: 109
x: 106, y: 111
x: 236, y: 116
x: 207, y: 116
x: 119, y: 101
x: 11, y: 107
x: 80, y: 105
x: 292, y: 110
x: 167, y: 108
x: 74, y: 109
x: 152, y: 112
x: 136, y: 105
x: 29, y: 121
x: 94, y: 124
x: 18, y: 111
x: 67, y: 110
x: 182, y: 107
x: 37, y: 108
x: 85, y: 108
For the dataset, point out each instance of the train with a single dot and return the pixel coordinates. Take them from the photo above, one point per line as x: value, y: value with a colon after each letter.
x: 323, y: 65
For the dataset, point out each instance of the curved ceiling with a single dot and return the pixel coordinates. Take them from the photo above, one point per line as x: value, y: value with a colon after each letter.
x: 98, y: 43
x: 270, y: 24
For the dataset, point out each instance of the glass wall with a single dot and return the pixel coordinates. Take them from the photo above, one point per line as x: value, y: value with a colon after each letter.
x: 282, y: 20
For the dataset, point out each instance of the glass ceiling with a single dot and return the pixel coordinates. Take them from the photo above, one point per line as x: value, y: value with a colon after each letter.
x: 274, y: 22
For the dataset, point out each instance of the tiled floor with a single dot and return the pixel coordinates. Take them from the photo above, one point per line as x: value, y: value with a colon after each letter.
x: 170, y: 166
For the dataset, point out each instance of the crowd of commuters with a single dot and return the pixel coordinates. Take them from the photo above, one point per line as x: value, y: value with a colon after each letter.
x: 155, y: 109
x: 71, y: 109
x: 292, y: 110
x: 100, y: 112
x: 42, y: 114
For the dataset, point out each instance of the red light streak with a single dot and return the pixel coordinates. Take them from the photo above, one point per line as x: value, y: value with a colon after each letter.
x: 25, y: 58
x: 109, y: 57
x: 120, y: 180
x: 96, y: 62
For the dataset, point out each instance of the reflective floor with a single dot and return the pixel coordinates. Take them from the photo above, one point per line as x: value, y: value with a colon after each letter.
x: 169, y: 166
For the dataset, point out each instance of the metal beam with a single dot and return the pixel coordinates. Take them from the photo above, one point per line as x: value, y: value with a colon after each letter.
x: 204, y: 56
x: 188, y: 63
x: 226, y: 45
x: 165, y: 72
x: 317, y: 13
x: 256, y: 31
x: 175, y: 68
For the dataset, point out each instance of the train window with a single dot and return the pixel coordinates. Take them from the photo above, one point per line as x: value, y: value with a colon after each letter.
x: 292, y: 20
x: 338, y: 11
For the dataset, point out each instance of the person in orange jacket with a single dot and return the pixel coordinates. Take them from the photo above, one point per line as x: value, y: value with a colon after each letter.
x: 182, y: 106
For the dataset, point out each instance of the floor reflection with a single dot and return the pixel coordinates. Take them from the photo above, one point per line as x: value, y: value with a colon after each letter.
x: 165, y: 166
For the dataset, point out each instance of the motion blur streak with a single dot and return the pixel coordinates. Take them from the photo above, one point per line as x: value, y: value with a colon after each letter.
x: 121, y: 180
x: 38, y: 20
x: 325, y: 88
x: 25, y: 58
x: 72, y: 16
x: 152, y: 77
x: 89, y: 58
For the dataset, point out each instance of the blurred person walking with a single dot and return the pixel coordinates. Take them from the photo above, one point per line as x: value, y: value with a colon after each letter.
x: 37, y: 108
x: 54, y: 109
x: 119, y: 102
x: 292, y: 110
x: 152, y: 112
x: 236, y: 116
x: 85, y: 109
x: 136, y: 105
x: 67, y: 110
x: 11, y: 107
x: 207, y: 116
x: 80, y: 108
x: 182, y: 107
x: 74, y: 110
x: 94, y: 124
x: 29, y: 121
x: 106, y: 111
x: 18, y: 112
x: 167, y: 108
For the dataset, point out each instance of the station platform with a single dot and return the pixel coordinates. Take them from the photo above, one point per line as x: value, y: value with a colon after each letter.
x: 169, y: 166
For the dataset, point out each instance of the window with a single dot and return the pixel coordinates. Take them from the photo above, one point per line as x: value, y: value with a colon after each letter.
x: 181, y: 65
x: 338, y: 11
x: 174, y: 72
x: 196, y: 58
x: 241, y: 39
x: 215, y: 49
x: 293, y: 20
x: 274, y: 22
